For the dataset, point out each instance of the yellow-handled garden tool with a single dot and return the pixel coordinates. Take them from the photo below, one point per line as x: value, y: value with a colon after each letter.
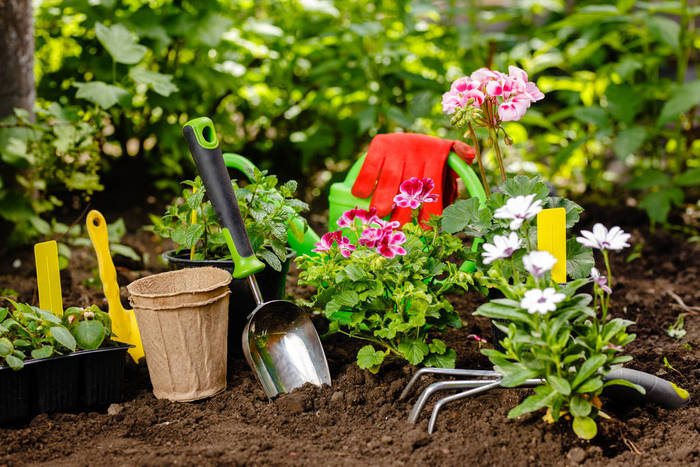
x: 124, y: 324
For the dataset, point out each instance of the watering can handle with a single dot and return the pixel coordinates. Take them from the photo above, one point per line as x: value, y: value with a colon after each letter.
x: 658, y: 390
x: 236, y: 161
x: 206, y: 152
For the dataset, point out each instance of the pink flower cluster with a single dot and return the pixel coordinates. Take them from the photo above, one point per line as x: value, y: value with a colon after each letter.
x: 513, y: 93
x: 414, y: 192
x: 376, y: 233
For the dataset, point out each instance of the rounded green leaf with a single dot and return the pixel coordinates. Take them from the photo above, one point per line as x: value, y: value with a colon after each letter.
x: 89, y: 334
x: 370, y: 359
x: 120, y: 43
x: 44, y: 352
x: 579, y: 406
x: 63, y: 337
x: 585, y: 427
x: 6, y: 347
x: 14, y: 362
x: 559, y: 384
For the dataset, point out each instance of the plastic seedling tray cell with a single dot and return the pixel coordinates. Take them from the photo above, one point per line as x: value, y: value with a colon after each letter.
x: 76, y: 381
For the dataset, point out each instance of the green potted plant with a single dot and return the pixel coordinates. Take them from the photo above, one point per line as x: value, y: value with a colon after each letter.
x: 266, y: 209
x: 387, y: 285
x: 50, y: 363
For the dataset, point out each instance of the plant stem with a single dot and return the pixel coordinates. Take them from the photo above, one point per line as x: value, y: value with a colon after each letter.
x: 477, y: 151
x: 607, y: 299
x: 494, y: 139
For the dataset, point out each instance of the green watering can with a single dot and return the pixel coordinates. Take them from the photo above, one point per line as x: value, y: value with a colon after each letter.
x: 341, y: 198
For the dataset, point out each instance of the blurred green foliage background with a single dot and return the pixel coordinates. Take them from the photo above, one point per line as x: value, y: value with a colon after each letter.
x: 301, y: 86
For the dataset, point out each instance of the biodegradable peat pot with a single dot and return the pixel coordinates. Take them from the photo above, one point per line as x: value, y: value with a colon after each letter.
x: 182, y: 317
x: 271, y: 283
x: 64, y: 383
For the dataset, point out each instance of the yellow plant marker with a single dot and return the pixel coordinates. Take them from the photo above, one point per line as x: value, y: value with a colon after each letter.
x: 48, y: 277
x: 551, y: 237
x: 194, y: 221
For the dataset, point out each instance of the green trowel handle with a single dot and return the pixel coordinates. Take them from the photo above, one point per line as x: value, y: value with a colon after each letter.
x: 310, y: 238
x: 658, y: 390
x: 204, y: 147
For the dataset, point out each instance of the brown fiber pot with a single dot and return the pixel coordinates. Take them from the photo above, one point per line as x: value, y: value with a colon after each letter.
x: 183, y: 320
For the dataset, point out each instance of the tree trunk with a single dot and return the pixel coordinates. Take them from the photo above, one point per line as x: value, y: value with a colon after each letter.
x: 16, y: 56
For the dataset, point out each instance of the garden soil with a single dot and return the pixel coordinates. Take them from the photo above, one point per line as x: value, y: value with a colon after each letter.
x: 359, y: 420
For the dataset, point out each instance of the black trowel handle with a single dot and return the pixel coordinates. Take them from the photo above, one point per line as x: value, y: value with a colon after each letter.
x: 658, y: 390
x: 206, y: 152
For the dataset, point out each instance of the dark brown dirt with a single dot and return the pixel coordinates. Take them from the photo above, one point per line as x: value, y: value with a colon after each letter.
x: 359, y: 420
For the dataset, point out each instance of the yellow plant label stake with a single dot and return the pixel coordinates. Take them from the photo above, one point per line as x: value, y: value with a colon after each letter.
x: 551, y: 237
x: 48, y: 277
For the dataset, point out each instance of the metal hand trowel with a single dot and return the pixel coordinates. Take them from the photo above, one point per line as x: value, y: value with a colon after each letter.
x: 280, y: 342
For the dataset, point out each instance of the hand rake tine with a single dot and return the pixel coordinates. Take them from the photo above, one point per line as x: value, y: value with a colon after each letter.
x: 454, y: 397
x: 441, y: 386
x: 443, y: 371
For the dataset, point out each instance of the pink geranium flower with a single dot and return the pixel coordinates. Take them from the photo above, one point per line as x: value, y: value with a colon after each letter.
x: 390, y: 244
x: 331, y: 238
x: 348, y: 217
x: 414, y: 192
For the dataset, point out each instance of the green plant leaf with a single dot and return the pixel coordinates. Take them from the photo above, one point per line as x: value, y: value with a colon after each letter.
x: 650, y: 178
x: 44, y: 352
x: 579, y: 260
x: 690, y: 177
x: 559, y: 384
x: 517, y: 376
x: 629, y: 141
x: 624, y: 382
x: 585, y: 427
x: 459, y: 214
x: 120, y: 43
x: 414, y: 350
x: 589, y: 367
x: 579, y: 406
x: 591, y: 385
x: 6, y: 347
x: 594, y: 115
x: 624, y: 102
x: 532, y: 403
x: 665, y: 30
x: 370, y: 359
x: 89, y: 334
x: 445, y: 360
x: 437, y: 346
x: 126, y: 251
x: 684, y: 98
x: 102, y: 94
x: 14, y: 362
x: 160, y: 83
x: 63, y: 337
x: 657, y: 204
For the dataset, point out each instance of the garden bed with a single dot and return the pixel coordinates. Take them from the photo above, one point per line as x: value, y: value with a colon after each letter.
x: 359, y: 419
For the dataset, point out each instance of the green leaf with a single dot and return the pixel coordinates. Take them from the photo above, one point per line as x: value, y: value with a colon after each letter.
x: 559, y: 384
x: 517, y: 375
x: 594, y: 115
x: 6, y: 347
x: 579, y: 406
x: 524, y: 185
x: 665, y: 30
x: 414, y: 350
x: 120, y: 43
x: 355, y: 272
x: 629, y: 141
x: 348, y: 298
x: 532, y: 403
x: 650, y: 178
x: 191, y: 235
x: 624, y: 102
x: 585, y: 427
x: 566, y: 152
x: 160, y: 83
x: 690, y: 177
x: 579, y: 260
x: 624, y: 382
x: 684, y: 98
x: 370, y: 359
x: 102, y: 94
x: 44, y: 352
x: 213, y: 29
x: 14, y: 362
x: 460, y: 214
x: 89, y: 334
x: 21, y: 343
x: 63, y: 337
x: 591, y: 385
x: 589, y: 367
x: 446, y: 360
x: 437, y: 346
x: 657, y: 204
x: 125, y: 251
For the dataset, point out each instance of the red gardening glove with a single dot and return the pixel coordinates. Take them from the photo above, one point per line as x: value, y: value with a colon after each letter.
x: 395, y: 157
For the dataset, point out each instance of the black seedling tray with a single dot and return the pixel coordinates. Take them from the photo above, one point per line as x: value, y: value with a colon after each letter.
x: 66, y: 383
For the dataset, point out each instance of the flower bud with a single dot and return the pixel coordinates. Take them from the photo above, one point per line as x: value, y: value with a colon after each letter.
x: 508, y: 140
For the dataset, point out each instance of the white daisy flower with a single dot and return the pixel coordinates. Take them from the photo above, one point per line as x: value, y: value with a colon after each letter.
x: 519, y: 209
x: 502, y: 247
x: 538, y: 262
x: 541, y: 301
x: 604, y: 239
